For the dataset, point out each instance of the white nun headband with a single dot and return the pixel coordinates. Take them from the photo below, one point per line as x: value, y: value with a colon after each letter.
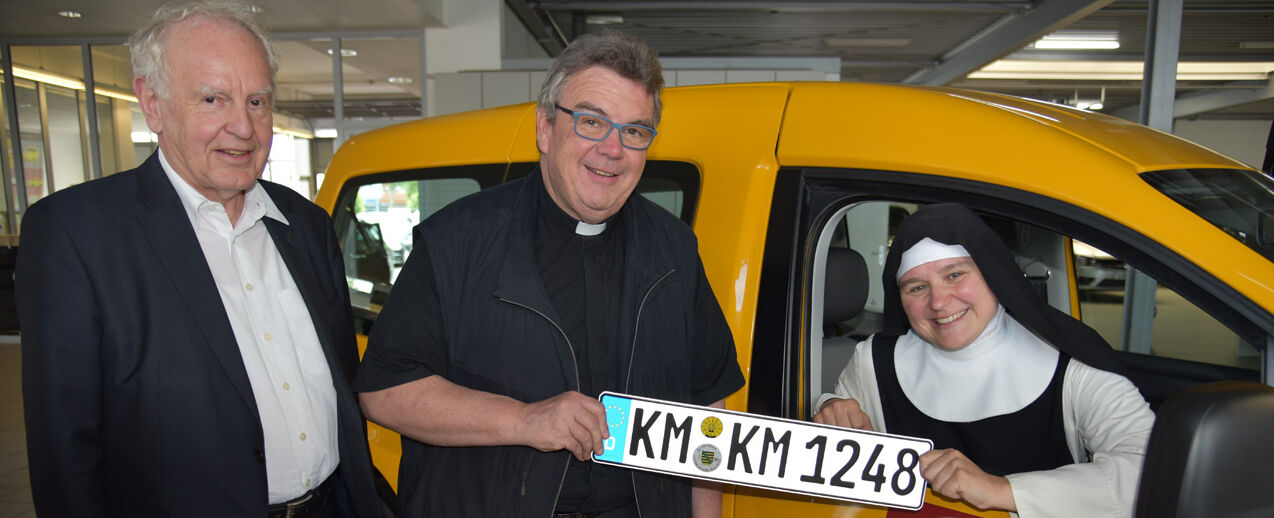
x: 927, y: 251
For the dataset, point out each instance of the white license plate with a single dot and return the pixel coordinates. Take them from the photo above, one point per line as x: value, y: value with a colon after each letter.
x: 766, y: 452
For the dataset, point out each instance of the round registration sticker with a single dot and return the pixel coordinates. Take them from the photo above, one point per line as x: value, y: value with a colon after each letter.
x: 711, y: 427
x: 707, y: 457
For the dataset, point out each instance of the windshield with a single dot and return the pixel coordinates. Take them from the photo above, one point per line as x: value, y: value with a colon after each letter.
x: 1237, y: 201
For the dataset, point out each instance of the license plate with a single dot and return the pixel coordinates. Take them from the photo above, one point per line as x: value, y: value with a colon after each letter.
x: 766, y: 452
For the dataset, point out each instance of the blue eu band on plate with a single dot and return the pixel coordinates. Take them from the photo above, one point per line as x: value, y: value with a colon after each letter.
x: 766, y: 452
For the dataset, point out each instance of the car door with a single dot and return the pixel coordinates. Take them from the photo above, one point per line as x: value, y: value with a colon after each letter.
x: 1203, y: 331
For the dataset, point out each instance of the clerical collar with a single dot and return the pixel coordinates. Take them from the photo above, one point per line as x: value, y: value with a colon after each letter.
x: 589, y: 229
x: 562, y: 221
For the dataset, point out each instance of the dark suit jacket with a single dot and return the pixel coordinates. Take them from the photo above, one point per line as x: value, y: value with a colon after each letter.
x: 136, y: 398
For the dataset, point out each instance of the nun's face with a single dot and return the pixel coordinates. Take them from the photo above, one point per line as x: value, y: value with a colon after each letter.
x: 947, y: 301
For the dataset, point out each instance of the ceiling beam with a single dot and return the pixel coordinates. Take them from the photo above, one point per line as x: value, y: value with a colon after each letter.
x: 787, y: 7
x: 542, y: 30
x: 1007, y: 35
x: 1202, y: 102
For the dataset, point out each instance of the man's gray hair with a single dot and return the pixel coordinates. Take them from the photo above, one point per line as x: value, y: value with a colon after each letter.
x: 149, y: 43
x: 625, y: 54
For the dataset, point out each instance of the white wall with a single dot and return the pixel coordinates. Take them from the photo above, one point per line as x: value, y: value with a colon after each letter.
x: 464, y: 91
x: 1242, y: 140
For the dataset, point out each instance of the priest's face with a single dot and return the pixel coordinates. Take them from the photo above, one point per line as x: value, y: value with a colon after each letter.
x: 947, y: 302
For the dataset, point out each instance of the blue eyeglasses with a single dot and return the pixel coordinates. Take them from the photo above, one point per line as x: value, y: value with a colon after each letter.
x: 597, y: 128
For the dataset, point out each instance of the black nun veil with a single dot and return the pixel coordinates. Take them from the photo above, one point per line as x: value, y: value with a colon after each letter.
x: 955, y: 224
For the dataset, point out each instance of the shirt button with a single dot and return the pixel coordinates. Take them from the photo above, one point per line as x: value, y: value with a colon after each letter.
x: 286, y: 386
x: 307, y: 482
x: 302, y: 436
x: 248, y: 286
x: 268, y: 337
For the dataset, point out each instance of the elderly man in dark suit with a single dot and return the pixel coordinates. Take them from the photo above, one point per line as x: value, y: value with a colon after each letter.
x: 187, y: 342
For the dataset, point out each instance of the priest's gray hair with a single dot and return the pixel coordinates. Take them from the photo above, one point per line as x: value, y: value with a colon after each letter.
x: 625, y: 54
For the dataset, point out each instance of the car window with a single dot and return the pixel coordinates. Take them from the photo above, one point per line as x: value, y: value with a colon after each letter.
x: 374, y: 218
x: 1179, y: 329
x: 1239, y: 202
x: 1181, y: 343
x: 375, y: 215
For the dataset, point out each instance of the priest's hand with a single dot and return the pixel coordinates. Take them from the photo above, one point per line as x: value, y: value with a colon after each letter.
x: 568, y: 421
x: 954, y: 476
x: 846, y: 413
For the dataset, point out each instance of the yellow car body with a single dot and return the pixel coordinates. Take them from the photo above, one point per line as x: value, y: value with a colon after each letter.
x: 753, y: 145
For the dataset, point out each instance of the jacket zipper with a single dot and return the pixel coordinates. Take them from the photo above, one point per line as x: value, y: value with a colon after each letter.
x: 632, y: 355
x: 575, y: 364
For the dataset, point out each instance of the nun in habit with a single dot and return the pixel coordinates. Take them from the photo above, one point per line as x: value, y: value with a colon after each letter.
x: 1027, y: 407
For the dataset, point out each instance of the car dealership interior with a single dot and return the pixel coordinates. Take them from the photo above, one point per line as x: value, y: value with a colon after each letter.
x: 1202, y: 70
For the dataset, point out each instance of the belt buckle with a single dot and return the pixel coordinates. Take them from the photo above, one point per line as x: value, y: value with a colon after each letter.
x: 293, y: 506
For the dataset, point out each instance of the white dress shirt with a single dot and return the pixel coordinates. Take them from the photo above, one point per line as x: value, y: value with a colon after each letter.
x: 286, y: 366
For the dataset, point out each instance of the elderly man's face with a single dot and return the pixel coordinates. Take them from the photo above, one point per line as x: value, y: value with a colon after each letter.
x: 947, y: 302
x: 215, y: 127
x: 591, y: 180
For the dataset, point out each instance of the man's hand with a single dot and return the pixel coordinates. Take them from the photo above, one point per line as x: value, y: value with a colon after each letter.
x: 954, y: 476
x: 845, y: 413
x: 568, y: 421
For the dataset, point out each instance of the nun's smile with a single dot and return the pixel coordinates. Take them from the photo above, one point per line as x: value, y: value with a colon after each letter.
x: 947, y: 301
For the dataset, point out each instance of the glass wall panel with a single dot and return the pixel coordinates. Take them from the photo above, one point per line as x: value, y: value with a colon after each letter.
x: 49, y: 81
x: 31, y: 134
x: 289, y: 163
x: 124, y: 143
x: 66, y: 140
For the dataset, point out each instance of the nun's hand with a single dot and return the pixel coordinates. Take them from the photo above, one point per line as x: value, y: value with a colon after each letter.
x: 845, y: 413
x: 954, y: 476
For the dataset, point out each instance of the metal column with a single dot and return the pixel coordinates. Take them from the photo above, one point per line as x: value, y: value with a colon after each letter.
x: 338, y: 94
x: 90, y: 97
x: 1158, y: 89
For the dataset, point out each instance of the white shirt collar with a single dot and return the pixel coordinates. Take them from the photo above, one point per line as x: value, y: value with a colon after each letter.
x: 256, y: 203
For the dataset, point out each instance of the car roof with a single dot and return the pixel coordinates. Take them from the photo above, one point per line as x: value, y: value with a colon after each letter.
x: 823, y: 124
x: 741, y: 134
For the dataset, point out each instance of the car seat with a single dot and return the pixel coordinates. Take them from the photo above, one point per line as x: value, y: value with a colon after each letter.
x: 1211, y: 453
x: 845, y: 287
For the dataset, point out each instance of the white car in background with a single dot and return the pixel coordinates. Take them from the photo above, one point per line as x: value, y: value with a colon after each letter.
x: 1097, y: 270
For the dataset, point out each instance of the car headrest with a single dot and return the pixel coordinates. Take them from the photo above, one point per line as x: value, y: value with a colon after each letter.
x: 1211, y: 453
x: 845, y: 285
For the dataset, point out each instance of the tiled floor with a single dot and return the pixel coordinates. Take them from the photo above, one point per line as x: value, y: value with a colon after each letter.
x: 15, y: 487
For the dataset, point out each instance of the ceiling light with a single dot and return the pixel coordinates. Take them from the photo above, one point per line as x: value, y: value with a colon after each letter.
x: 256, y: 9
x: 1119, y: 70
x: 867, y: 42
x: 603, y: 19
x: 293, y: 133
x: 325, y: 133
x: 1078, y: 41
x: 68, y: 82
x: 1089, y: 105
x: 399, y: 80
x: 1256, y: 44
x: 70, y: 14
x: 345, y: 53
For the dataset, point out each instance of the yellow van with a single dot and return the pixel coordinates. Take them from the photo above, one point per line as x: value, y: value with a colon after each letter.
x: 771, y: 176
